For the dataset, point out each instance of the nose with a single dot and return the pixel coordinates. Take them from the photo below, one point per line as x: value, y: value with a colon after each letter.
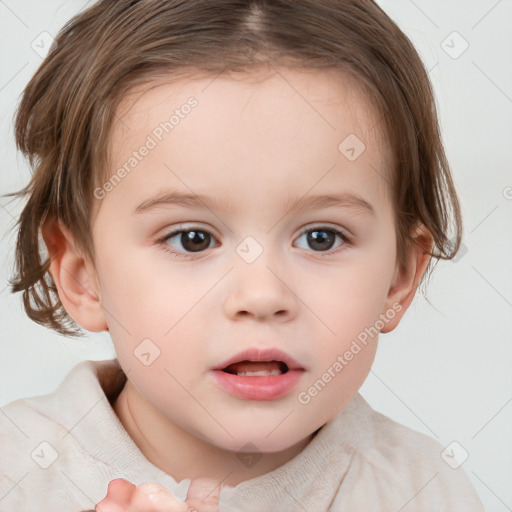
x: 259, y: 292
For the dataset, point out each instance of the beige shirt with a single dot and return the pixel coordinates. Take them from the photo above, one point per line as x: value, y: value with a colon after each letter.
x: 58, y: 453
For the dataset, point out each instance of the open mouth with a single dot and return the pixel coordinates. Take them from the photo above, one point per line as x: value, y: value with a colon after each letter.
x: 259, y: 374
x: 257, y: 368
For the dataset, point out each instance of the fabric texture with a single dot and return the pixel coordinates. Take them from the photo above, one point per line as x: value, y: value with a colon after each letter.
x: 59, y: 451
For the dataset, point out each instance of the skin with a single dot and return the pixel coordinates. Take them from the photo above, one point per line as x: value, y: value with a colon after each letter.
x: 123, y: 496
x: 254, y: 143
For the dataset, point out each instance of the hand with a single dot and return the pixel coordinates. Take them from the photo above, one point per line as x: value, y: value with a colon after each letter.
x: 123, y: 496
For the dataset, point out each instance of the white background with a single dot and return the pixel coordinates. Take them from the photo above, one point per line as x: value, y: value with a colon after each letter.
x: 446, y: 371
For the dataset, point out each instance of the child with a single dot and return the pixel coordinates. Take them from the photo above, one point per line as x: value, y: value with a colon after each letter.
x: 258, y: 131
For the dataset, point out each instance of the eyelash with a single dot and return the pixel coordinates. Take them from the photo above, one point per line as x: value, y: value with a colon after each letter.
x: 163, y: 240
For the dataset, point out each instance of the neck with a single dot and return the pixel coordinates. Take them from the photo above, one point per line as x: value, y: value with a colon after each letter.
x: 182, y: 455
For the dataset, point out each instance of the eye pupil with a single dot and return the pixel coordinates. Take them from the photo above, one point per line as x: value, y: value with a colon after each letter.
x: 194, y: 241
x: 321, y: 239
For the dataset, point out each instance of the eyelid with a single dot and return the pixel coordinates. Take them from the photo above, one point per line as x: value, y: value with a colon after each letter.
x: 187, y: 227
x: 345, y: 236
x: 345, y: 233
x: 325, y: 225
x: 310, y: 227
x: 180, y: 228
x: 338, y: 231
x: 175, y: 232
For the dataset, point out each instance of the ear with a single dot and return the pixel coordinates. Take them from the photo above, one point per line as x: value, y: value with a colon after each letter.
x: 75, y: 278
x: 407, y: 278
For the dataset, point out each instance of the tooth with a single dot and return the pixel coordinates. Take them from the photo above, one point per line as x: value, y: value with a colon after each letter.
x: 262, y: 373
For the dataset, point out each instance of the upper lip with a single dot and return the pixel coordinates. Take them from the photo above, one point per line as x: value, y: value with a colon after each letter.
x: 261, y: 354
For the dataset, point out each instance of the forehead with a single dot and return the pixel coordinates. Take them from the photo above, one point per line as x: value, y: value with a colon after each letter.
x: 234, y: 128
x: 328, y: 89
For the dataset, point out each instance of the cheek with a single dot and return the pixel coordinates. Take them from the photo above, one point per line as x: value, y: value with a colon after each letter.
x: 351, y: 297
x: 348, y: 303
x: 149, y: 294
x: 155, y: 310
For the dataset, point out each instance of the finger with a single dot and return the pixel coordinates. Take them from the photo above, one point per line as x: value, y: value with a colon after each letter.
x: 153, y: 497
x: 108, y: 505
x: 118, y: 496
x: 203, y: 495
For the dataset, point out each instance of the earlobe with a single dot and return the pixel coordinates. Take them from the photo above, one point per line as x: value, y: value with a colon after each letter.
x: 74, y: 277
x: 407, y: 278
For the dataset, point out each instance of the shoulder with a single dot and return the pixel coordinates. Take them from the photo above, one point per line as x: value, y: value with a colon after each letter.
x: 42, y: 448
x: 57, y: 414
x: 31, y: 444
x: 403, y: 468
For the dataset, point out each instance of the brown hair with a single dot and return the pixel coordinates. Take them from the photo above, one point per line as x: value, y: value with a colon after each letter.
x: 67, y: 110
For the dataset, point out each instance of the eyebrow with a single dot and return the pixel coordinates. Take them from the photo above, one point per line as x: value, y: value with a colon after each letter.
x: 346, y: 200
x: 170, y: 198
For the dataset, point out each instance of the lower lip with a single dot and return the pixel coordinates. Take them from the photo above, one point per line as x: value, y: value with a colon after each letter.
x: 270, y: 387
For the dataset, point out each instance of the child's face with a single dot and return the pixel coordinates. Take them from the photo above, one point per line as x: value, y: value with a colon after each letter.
x: 250, y: 149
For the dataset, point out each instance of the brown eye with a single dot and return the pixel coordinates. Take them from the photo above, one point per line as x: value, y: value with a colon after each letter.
x: 321, y: 239
x: 189, y: 241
